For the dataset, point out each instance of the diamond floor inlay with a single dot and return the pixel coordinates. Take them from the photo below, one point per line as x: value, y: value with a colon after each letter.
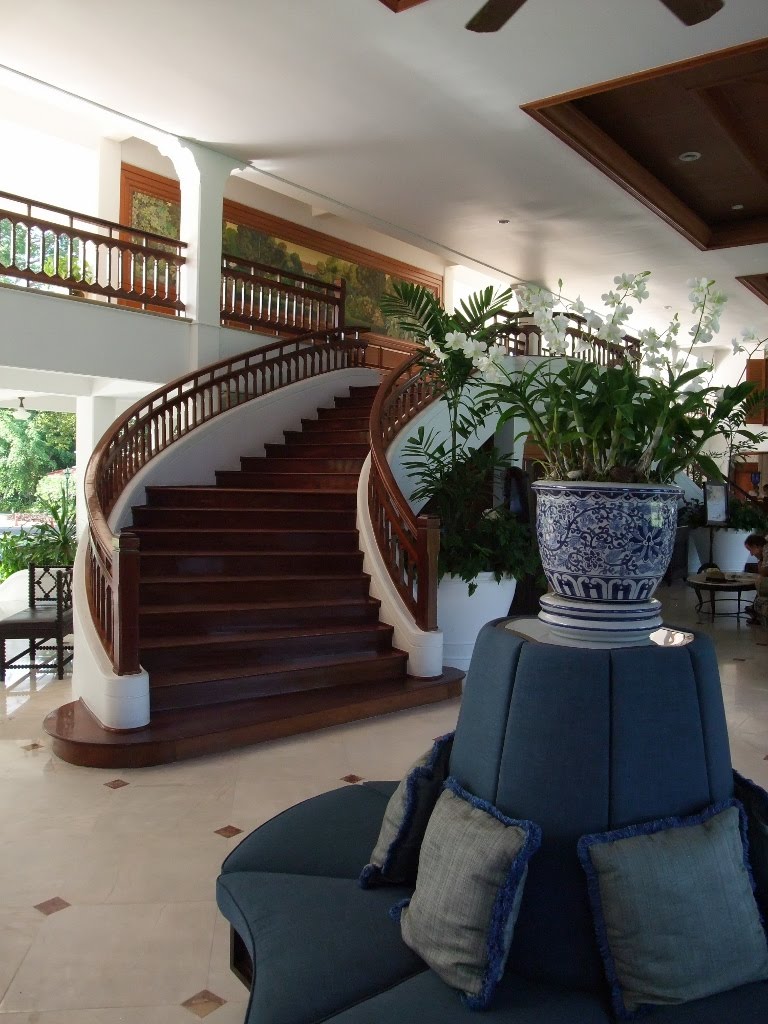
x: 228, y: 831
x: 203, y: 1003
x: 52, y: 906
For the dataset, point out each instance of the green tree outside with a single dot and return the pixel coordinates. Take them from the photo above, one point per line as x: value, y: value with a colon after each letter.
x: 28, y: 450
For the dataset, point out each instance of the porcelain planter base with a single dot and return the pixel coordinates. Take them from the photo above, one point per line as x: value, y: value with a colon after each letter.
x: 461, y: 617
x: 614, y: 623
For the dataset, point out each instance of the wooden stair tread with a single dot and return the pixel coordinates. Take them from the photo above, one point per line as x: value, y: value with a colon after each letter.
x: 250, y: 530
x: 184, y: 675
x: 214, y: 489
x: 231, y: 552
x: 203, y: 578
x: 156, y: 643
x: 256, y: 606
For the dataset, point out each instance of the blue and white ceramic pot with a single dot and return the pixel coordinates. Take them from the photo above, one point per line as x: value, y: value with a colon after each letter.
x: 604, y: 541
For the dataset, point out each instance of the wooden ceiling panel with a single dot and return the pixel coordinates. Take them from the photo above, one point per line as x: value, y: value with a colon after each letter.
x: 635, y: 129
x: 757, y: 284
x: 401, y: 5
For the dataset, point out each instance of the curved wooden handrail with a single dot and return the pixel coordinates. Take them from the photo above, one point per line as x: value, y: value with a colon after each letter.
x: 409, y: 544
x: 148, y: 428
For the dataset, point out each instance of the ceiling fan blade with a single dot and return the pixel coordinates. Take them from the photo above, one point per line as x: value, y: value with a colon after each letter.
x: 494, y: 15
x: 691, y: 12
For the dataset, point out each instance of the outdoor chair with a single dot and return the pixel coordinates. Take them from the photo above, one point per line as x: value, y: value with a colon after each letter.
x: 48, y: 618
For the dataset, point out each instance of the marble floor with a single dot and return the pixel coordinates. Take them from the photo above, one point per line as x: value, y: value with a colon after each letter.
x: 107, y: 912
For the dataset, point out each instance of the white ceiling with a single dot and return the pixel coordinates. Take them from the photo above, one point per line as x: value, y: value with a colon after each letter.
x: 406, y: 122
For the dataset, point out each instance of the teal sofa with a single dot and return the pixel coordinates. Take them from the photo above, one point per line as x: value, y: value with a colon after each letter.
x: 579, y: 741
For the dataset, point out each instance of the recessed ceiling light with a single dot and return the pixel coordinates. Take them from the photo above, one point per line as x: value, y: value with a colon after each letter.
x: 738, y: 206
x: 689, y: 156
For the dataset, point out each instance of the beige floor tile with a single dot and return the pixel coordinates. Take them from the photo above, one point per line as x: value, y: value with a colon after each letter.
x: 80, y: 868
x: 131, y: 955
x: 18, y: 928
x: 178, y: 808
x: 230, y: 1013
x: 160, y: 870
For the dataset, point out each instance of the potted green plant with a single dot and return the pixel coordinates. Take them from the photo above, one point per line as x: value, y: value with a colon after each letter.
x: 612, y: 439
x: 483, y: 547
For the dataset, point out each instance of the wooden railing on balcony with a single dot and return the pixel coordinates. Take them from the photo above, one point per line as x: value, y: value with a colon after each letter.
x: 524, y: 339
x: 149, y: 428
x: 409, y: 544
x: 256, y: 296
x: 47, y: 245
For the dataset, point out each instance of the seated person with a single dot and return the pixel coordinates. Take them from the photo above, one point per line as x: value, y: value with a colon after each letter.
x: 757, y: 546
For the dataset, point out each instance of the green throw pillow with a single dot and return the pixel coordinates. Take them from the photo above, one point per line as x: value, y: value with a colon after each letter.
x: 472, y: 870
x: 673, y: 907
x: 395, y: 858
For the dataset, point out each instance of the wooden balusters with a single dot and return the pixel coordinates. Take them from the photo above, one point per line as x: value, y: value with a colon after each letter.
x: 50, y: 246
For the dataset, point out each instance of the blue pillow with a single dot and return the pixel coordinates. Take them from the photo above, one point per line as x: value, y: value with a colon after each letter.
x: 472, y: 869
x: 755, y: 801
x: 395, y: 858
x: 674, y: 909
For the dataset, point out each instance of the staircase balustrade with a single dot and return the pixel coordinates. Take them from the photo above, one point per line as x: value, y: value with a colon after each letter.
x: 257, y: 296
x: 409, y: 544
x: 524, y: 339
x: 50, y: 246
x: 148, y: 428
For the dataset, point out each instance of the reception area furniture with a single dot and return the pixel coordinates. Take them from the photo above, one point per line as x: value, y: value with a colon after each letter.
x: 582, y: 741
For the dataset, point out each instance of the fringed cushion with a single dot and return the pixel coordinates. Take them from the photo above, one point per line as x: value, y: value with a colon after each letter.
x: 395, y: 857
x: 674, y: 910
x: 472, y: 870
x: 755, y: 802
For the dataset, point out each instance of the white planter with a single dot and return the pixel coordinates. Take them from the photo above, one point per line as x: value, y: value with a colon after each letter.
x: 728, y: 551
x: 461, y: 617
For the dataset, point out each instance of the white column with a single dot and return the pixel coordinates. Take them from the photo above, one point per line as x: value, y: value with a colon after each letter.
x: 203, y: 175
x: 93, y: 417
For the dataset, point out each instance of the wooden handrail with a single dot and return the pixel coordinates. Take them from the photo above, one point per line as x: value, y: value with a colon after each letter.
x: 148, y: 428
x: 409, y: 544
x: 89, y: 255
x: 257, y: 296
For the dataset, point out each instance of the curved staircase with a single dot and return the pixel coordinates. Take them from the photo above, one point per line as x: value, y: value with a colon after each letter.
x: 255, y: 618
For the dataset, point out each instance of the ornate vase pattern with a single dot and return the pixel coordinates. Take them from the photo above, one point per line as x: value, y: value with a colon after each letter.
x: 605, y: 541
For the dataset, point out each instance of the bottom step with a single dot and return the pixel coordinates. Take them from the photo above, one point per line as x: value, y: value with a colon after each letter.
x: 175, y: 735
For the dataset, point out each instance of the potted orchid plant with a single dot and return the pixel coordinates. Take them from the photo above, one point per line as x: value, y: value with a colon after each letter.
x: 484, y: 549
x: 630, y: 421
x: 611, y: 438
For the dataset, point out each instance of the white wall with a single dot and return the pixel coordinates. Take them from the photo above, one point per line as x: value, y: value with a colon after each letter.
x: 57, y: 171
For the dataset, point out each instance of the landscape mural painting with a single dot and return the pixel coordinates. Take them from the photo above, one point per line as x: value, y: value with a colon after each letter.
x: 365, y: 283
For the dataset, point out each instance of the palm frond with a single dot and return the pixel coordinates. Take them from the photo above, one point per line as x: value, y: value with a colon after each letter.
x: 416, y: 309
